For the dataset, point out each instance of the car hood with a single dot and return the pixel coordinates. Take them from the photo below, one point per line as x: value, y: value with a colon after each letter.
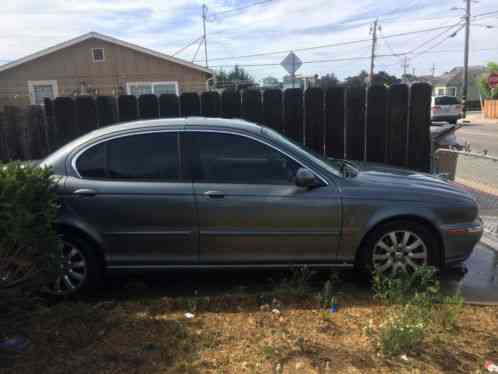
x: 403, y: 183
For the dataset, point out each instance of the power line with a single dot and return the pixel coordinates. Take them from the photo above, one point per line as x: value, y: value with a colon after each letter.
x: 185, y: 47
x: 331, y: 45
x: 224, y: 12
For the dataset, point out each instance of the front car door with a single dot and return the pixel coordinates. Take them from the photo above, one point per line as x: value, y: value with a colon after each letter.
x: 131, y: 190
x: 251, y: 211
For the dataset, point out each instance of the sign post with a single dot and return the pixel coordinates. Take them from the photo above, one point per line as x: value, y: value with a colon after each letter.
x: 291, y: 63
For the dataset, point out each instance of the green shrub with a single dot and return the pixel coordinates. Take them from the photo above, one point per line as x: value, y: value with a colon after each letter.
x: 28, y: 242
x: 486, y: 91
x: 298, y: 284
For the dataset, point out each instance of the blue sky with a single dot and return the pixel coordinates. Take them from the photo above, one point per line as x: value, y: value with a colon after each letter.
x: 27, y: 26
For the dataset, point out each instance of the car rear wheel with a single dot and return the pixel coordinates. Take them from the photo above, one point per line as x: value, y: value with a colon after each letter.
x: 400, y: 247
x: 79, y: 268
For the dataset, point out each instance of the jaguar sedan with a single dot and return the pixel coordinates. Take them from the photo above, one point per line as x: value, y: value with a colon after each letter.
x: 219, y: 193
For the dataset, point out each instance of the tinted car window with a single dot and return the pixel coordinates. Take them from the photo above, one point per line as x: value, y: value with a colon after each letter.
x: 227, y: 158
x: 446, y: 100
x: 92, y: 163
x: 147, y: 156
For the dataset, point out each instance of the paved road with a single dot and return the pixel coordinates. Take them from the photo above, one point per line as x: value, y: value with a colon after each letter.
x: 481, y: 135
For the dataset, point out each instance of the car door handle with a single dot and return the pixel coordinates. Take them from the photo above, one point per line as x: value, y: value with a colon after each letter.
x: 88, y: 192
x: 215, y: 194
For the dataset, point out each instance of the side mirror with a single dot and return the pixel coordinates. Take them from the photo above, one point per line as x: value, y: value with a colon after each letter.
x: 305, y: 178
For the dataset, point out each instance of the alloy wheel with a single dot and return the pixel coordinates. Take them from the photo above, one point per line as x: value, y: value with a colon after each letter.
x: 72, y: 270
x: 399, y: 251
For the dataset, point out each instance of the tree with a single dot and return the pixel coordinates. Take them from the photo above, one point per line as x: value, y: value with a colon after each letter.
x: 270, y: 82
x: 380, y: 78
x: 486, y: 91
x: 328, y: 80
x: 359, y: 80
x: 237, y: 79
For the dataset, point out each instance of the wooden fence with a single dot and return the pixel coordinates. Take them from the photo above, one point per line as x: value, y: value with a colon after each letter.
x: 389, y: 125
x: 491, y: 109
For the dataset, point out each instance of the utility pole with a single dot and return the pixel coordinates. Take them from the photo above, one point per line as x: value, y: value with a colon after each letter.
x: 374, y: 45
x: 433, y: 70
x: 204, y: 19
x: 405, y: 65
x: 466, y: 57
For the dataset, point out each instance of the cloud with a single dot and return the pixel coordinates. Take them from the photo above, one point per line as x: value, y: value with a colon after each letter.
x: 281, y: 25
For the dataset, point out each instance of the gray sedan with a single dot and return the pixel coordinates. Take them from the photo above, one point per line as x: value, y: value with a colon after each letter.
x: 217, y: 193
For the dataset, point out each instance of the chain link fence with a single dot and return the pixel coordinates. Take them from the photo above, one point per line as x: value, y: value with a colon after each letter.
x: 478, y: 174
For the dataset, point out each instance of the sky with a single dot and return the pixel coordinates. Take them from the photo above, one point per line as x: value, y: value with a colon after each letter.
x: 238, y: 28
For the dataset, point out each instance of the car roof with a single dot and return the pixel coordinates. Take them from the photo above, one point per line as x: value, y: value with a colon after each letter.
x: 180, y: 123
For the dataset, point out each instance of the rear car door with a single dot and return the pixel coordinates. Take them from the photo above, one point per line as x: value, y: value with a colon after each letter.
x: 131, y: 190
x: 250, y: 210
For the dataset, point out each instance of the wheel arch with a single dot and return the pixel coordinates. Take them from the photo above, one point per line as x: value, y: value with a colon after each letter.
x: 402, y: 217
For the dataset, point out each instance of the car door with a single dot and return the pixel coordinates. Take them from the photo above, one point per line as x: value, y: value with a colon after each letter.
x: 250, y: 210
x: 131, y: 190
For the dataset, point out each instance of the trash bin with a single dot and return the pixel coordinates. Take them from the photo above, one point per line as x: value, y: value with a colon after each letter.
x: 447, y: 162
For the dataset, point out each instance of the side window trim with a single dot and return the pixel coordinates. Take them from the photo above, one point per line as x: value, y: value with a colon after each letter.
x: 74, y: 158
x: 193, y: 131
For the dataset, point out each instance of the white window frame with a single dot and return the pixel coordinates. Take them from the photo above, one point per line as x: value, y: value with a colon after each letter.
x: 93, y: 55
x: 452, y: 88
x: 32, y: 84
x: 130, y: 84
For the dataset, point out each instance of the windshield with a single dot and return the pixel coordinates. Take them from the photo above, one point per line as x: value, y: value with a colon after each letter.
x: 446, y: 100
x: 324, y: 162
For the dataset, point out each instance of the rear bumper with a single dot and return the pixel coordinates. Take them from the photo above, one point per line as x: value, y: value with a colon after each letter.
x: 446, y: 117
x: 460, y: 240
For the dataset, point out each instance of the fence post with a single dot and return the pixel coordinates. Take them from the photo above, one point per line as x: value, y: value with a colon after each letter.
x: 3, y: 143
x: 85, y: 114
x: 190, y: 104
x: 210, y: 104
x: 252, y: 107
x: 148, y: 107
x: 37, y: 143
x: 355, y: 128
x: 48, y: 106
x: 127, y: 108
x: 376, y: 126
x: 230, y: 104
x: 273, y: 109
x: 293, y: 114
x: 335, y: 110
x: 169, y: 106
x: 65, y: 121
x: 313, y: 119
x: 106, y: 110
x: 419, y: 136
x: 397, y: 125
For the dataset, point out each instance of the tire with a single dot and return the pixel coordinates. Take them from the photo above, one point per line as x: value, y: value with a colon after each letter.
x: 81, y: 269
x: 374, y: 256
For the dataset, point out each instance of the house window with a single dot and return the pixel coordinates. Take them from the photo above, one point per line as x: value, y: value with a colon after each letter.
x: 39, y: 90
x: 440, y: 91
x: 156, y: 88
x: 98, y: 54
x: 451, y: 91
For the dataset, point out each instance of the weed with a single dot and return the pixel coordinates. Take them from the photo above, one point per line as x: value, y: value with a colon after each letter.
x: 298, y: 284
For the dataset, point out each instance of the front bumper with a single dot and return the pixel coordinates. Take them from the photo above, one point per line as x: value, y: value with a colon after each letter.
x: 460, y: 240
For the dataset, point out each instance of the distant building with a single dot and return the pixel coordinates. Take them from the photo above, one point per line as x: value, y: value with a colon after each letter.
x: 451, y: 82
x: 270, y: 82
x: 96, y: 64
x: 299, y: 81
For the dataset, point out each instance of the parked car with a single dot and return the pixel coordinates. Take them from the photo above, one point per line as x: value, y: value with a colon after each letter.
x: 446, y: 108
x: 218, y: 193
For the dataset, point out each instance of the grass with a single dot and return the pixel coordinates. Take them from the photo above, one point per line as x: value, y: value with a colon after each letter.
x: 234, y: 331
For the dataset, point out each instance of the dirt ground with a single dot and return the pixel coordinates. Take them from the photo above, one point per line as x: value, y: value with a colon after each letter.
x: 258, y: 327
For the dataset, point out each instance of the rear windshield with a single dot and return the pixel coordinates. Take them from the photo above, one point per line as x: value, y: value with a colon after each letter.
x: 446, y: 100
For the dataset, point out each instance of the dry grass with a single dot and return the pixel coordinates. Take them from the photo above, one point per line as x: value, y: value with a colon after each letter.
x: 237, y: 332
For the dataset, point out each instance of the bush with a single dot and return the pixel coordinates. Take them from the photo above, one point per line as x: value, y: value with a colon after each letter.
x: 28, y: 242
x: 486, y: 91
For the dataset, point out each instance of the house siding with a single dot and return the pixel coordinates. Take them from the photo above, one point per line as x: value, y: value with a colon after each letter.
x: 74, y: 70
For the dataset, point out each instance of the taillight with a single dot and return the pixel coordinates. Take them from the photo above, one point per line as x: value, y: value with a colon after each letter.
x: 436, y: 108
x: 459, y: 107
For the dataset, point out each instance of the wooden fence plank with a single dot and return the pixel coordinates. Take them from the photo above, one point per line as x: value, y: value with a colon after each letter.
x: 14, y: 133
x: 273, y: 109
x: 190, y: 104
x: 37, y: 142
x: 376, y: 126
x: 230, y: 104
x: 252, y: 107
x: 355, y: 124
x: 169, y: 106
x: 48, y: 106
x: 419, y: 136
x: 397, y: 139
x: 148, y: 107
x: 127, y: 108
x: 314, y: 119
x: 85, y: 114
x: 106, y: 110
x: 65, y: 122
x: 335, y: 102
x: 293, y: 114
x: 210, y: 104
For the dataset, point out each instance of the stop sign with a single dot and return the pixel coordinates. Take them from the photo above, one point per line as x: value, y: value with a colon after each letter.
x: 493, y: 80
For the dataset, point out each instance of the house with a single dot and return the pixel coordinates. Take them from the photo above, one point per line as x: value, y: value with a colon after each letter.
x: 451, y: 82
x: 96, y: 64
